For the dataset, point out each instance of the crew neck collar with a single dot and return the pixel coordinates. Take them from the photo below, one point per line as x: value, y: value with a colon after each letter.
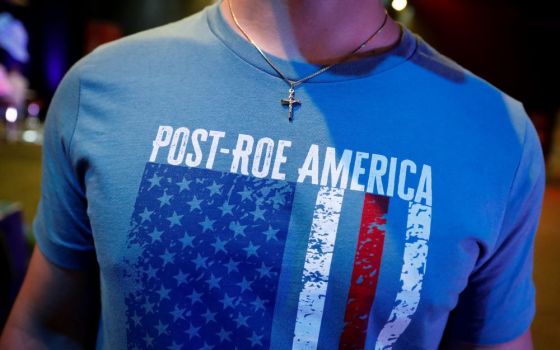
x: 361, y: 68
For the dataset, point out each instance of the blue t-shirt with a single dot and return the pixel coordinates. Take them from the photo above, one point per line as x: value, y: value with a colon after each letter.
x: 399, y: 204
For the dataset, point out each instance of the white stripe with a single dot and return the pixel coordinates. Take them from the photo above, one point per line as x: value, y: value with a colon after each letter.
x: 317, y: 267
x: 412, y: 275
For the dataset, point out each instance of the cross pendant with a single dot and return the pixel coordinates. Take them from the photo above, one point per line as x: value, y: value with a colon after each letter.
x: 290, y: 102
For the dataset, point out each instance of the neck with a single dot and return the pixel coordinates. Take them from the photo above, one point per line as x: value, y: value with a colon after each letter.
x: 319, y: 32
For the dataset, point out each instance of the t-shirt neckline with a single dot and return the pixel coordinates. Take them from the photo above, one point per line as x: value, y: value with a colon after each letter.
x: 361, y: 68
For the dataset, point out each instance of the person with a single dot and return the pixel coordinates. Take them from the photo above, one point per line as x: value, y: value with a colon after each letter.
x: 282, y: 175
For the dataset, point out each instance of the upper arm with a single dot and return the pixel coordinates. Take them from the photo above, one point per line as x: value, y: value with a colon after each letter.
x: 56, y: 308
x: 59, y: 300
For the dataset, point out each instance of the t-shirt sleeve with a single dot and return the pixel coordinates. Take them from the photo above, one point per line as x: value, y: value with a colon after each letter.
x: 498, y: 304
x: 61, y: 226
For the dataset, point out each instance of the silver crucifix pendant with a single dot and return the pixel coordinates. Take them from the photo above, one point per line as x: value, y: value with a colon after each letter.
x: 290, y: 102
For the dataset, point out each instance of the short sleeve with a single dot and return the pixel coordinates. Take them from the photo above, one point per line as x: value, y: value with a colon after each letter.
x: 61, y: 226
x: 498, y: 304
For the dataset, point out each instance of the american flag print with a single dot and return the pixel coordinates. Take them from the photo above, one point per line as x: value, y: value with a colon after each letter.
x: 210, y: 250
x: 365, y: 274
x: 205, y: 263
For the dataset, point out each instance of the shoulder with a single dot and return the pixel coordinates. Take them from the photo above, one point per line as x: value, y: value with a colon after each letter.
x: 148, y: 50
x: 470, y: 104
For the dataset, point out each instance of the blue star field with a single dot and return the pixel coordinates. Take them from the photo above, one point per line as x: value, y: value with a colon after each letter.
x: 210, y: 252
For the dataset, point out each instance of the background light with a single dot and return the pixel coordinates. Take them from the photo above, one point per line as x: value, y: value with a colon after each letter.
x: 31, y: 136
x: 33, y: 109
x: 11, y: 114
x: 399, y: 5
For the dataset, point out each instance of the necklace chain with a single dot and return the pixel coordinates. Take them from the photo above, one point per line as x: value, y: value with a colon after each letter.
x: 295, y: 83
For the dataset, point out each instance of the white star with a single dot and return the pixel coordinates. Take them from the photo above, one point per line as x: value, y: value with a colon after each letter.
x: 164, y: 199
x: 177, y: 313
x: 232, y: 265
x: 199, y: 261
x: 270, y: 233
x: 136, y: 319
x: 181, y: 277
x: 167, y: 257
x: 192, y: 331
x: 155, y: 235
x: 241, y: 320
x: 194, y: 203
x: 164, y: 293
x: 148, y: 340
x: 154, y: 181
x: 184, y: 185
x: 151, y: 272
x: 209, y: 316
x: 207, y: 347
x: 245, y: 194
x: 244, y: 285
x: 219, y: 245
x: 175, y: 346
x: 195, y: 297
x: 214, y: 188
x: 175, y: 220
x: 237, y: 228
x: 148, y: 307
x: 224, y: 335
x: 258, y: 304
x: 278, y: 199
x: 187, y: 240
x: 258, y: 213
x: 251, y: 249
x: 264, y: 270
x: 255, y: 339
x: 213, y: 282
x: 228, y: 301
x: 207, y: 224
x: 161, y: 328
x: 226, y: 208
x: 146, y: 215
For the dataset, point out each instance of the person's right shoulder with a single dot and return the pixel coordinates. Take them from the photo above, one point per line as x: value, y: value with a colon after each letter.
x: 151, y: 45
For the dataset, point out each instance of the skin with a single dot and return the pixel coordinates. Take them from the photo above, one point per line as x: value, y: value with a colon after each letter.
x: 59, y: 308
x: 56, y: 309
x: 319, y: 32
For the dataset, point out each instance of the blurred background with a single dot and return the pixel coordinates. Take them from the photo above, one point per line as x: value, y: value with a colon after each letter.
x: 511, y: 43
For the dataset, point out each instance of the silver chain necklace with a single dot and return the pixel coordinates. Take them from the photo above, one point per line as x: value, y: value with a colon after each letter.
x: 291, y: 101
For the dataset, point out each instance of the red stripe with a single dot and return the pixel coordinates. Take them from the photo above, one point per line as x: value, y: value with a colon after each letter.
x: 365, y: 271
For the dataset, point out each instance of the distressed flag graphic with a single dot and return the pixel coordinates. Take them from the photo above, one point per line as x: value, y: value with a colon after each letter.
x: 209, y: 250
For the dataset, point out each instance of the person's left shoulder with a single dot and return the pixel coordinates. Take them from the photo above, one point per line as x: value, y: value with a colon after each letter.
x: 498, y: 121
x: 467, y: 100
x: 495, y: 105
